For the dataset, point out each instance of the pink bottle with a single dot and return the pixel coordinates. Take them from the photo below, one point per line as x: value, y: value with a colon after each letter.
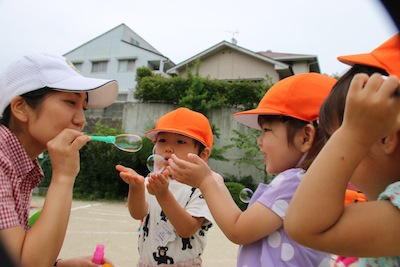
x: 98, y: 255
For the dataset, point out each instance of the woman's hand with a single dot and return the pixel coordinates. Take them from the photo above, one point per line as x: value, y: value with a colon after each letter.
x: 64, y: 153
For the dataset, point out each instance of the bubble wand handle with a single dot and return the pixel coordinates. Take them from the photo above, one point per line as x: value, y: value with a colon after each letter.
x: 107, y: 139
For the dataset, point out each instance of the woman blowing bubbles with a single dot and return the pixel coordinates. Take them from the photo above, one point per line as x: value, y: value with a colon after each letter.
x: 42, y: 105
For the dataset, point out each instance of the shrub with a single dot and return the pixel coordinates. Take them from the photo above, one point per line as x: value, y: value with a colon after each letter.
x: 235, y: 188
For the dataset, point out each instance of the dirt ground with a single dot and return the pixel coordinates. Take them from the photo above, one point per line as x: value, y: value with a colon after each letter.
x: 110, y: 224
x: 93, y: 222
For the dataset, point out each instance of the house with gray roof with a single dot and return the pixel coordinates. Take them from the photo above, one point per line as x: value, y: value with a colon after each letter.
x: 116, y: 54
x: 230, y: 62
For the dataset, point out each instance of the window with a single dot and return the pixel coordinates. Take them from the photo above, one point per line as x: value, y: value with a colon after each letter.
x: 78, y: 66
x: 154, y: 64
x: 99, y: 66
x: 133, y: 41
x: 126, y: 65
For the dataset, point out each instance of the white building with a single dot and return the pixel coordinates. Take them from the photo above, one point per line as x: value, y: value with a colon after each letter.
x: 116, y: 54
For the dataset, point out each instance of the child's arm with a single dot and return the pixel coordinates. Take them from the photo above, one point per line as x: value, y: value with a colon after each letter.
x: 317, y: 216
x: 240, y: 227
x: 184, y: 223
x: 136, y: 197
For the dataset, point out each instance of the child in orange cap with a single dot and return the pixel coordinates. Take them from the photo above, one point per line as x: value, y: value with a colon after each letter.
x: 361, y: 123
x: 176, y: 216
x: 287, y: 117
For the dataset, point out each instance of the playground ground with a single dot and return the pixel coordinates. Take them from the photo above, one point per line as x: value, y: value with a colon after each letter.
x: 108, y: 223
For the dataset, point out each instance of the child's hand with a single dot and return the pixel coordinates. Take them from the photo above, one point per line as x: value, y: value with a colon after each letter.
x: 129, y: 176
x: 157, y: 184
x: 191, y: 172
x: 372, y: 108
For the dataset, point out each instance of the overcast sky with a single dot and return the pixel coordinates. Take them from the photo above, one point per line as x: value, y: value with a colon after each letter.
x: 180, y: 29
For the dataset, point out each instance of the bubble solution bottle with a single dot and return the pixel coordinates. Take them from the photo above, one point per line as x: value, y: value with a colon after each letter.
x: 98, y: 255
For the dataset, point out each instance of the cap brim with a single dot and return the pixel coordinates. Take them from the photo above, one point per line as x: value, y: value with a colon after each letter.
x: 362, y: 59
x: 101, y: 93
x: 250, y: 117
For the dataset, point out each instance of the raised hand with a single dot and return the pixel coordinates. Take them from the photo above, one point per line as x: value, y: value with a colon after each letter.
x: 64, y: 153
x: 129, y: 176
x: 372, y: 108
x: 158, y: 184
x: 192, y: 172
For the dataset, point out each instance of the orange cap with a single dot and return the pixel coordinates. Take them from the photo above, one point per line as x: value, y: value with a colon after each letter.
x: 186, y: 122
x: 299, y: 96
x: 386, y: 57
x: 352, y: 196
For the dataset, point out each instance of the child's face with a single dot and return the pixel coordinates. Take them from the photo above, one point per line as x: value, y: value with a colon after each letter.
x: 172, y: 143
x: 58, y: 111
x: 278, y: 154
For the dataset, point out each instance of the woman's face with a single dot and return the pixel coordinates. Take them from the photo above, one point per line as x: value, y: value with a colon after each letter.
x: 58, y: 111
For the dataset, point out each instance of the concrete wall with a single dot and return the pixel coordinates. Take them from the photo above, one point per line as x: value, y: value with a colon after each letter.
x: 137, y: 118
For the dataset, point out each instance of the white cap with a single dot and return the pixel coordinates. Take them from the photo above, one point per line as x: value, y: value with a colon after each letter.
x: 37, y: 71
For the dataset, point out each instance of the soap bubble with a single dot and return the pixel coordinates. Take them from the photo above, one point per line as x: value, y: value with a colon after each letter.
x: 245, y: 195
x: 128, y: 142
x: 155, y: 163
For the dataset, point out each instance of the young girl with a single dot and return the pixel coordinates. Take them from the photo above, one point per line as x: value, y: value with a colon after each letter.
x: 361, y: 118
x: 42, y: 105
x: 175, y: 216
x: 362, y: 126
x: 287, y: 116
x: 365, y: 149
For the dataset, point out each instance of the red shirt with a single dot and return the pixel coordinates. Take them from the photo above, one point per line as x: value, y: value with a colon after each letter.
x: 19, y: 175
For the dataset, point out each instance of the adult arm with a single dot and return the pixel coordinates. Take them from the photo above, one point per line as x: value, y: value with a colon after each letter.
x: 48, y: 232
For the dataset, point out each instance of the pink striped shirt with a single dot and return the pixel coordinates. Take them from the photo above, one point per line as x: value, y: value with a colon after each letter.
x: 19, y: 175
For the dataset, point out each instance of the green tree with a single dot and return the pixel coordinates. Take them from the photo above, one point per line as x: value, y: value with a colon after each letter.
x: 234, y: 189
x: 197, y: 96
x: 199, y: 93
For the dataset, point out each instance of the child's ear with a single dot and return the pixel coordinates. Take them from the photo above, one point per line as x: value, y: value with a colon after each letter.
x: 205, y: 154
x: 18, y: 108
x: 390, y: 143
x: 305, y: 138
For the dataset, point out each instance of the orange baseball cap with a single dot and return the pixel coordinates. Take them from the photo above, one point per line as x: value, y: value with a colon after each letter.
x: 186, y: 122
x: 386, y: 57
x: 299, y: 96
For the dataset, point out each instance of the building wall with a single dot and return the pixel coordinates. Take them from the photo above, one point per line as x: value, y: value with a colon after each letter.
x: 229, y: 64
x: 300, y: 67
x: 112, y: 46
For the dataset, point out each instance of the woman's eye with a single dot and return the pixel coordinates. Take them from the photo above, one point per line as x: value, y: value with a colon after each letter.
x: 181, y: 142
x: 161, y: 140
